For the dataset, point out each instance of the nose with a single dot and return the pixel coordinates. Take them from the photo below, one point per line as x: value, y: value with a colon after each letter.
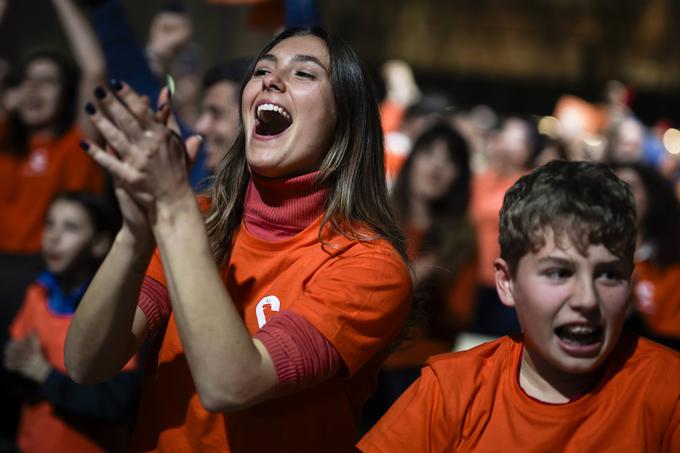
x: 584, y: 297
x: 273, y: 81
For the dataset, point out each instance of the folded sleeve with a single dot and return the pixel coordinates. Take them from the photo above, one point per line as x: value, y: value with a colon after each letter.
x: 359, y: 303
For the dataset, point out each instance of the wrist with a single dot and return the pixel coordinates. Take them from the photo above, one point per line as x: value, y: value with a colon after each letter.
x: 141, y: 245
x: 176, y: 217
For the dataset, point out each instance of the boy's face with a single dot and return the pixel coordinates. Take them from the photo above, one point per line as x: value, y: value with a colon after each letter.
x: 68, y: 237
x: 570, y: 306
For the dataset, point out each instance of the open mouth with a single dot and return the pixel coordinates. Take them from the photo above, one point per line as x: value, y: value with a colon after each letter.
x: 580, y: 335
x: 271, y: 119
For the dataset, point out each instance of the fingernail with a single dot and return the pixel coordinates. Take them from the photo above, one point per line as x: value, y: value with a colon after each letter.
x: 84, y: 145
x: 201, y: 138
x: 100, y: 93
x: 89, y: 108
x: 115, y: 84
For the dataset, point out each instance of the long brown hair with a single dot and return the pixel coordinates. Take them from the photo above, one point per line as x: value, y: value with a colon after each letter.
x: 353, y: 168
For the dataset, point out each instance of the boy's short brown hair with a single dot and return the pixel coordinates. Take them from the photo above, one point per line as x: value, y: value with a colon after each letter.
x: 585, y: 201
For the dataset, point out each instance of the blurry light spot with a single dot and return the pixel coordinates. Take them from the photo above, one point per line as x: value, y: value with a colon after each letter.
x: 671, y: 140
x: 593, y: 141
x: 549, y: 125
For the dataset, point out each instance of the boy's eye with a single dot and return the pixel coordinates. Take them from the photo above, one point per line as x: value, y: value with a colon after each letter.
x: 610, y: 276
x: 558, y: 274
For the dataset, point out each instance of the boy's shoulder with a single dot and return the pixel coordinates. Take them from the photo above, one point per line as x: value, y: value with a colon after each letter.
x: 637, y: 358
x: 482, y: 365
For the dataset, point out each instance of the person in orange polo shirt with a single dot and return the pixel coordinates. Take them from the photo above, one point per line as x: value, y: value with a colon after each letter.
x: 431, y: 198
x: 58, y: 414
x: 40, y: 157
x: 275, y: 308
x: 572, y: 381
x: 657, y: 258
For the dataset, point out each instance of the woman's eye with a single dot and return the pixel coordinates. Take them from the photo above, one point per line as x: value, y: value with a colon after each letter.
x: 260, y: 72
x: 304, y: 75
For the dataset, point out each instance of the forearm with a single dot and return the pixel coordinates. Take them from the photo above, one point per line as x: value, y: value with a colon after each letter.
x: 105, y: 333
x: 87, y: 52
x: 229, y: 368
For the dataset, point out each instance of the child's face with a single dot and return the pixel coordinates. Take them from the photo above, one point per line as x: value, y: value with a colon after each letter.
x: 68, y: 238
x: 571, y: 306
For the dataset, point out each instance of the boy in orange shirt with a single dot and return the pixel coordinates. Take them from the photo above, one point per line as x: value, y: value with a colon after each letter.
x: 572, y: 381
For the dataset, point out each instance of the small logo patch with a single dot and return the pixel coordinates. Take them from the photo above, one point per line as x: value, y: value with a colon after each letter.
x: 264, y: 308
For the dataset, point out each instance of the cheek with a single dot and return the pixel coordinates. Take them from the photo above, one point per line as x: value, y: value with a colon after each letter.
x: 615, y: 301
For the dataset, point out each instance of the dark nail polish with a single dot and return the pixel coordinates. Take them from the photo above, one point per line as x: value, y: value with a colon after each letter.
x: 100, y: 93
x: 84, y: 145
x: 115, y: 84
x: 89, y: 108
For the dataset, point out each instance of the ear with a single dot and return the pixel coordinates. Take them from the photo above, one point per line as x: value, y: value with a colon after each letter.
x: 504, y: 283
x: 101, y: 245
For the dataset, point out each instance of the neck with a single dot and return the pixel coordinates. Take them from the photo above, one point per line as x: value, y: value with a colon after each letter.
x: 419, y: 213
x: 42, y: 133
x: 73, y: 281
x: 279, y: 208
x: 544, y: 382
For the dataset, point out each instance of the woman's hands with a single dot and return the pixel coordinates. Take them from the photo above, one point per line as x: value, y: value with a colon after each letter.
x: 147, y: 160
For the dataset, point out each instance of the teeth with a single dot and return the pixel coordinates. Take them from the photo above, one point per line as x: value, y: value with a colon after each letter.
x: 273, y: 108
x: 580, y: 329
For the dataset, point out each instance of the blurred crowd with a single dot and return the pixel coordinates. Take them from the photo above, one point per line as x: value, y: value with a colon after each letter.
x: 447, y: 166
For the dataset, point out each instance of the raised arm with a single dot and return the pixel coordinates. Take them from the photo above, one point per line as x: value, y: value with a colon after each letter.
x: 108, y: 327
x: 231, y: 370
x: 88, y: 54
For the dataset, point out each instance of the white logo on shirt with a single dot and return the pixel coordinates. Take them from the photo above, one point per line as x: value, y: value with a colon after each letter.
x: 274, y: 305
x: 645, y: 297
x: 37, y: 161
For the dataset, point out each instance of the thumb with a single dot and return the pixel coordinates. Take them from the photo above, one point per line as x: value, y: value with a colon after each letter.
x: 193, y: 144
x: 33, y: 341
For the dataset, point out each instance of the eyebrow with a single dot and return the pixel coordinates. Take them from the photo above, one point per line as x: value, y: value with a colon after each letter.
x: 567, y: 262
x: 554, y: 260
x: 297, y: 58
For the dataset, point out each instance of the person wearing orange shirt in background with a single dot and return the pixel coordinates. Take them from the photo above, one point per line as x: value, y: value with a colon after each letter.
x: 431, y: 198
x: 656, y: 279
x: 59, y: 415
x: 275, y: 308
x: 572, y: 381
x: 40, y: 157
x: 509, y: 155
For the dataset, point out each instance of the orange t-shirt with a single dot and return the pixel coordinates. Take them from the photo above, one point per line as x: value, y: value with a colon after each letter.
x: 488, y: 191
x: 657, y: 297
x: 472, y: 402
x: 41, y: 428
x: 28, y: 184
x: 357, y: 295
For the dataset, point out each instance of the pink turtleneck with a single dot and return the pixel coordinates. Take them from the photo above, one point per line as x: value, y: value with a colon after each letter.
x: 279, y: 208
x: 274, y: 210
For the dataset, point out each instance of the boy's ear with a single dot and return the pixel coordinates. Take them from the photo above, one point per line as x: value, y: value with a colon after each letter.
x: 101, y: 245
x: 504, y: 284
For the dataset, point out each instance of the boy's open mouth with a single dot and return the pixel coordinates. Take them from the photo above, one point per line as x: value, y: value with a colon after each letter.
x: 271, y: 119
x: 579, y: 334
